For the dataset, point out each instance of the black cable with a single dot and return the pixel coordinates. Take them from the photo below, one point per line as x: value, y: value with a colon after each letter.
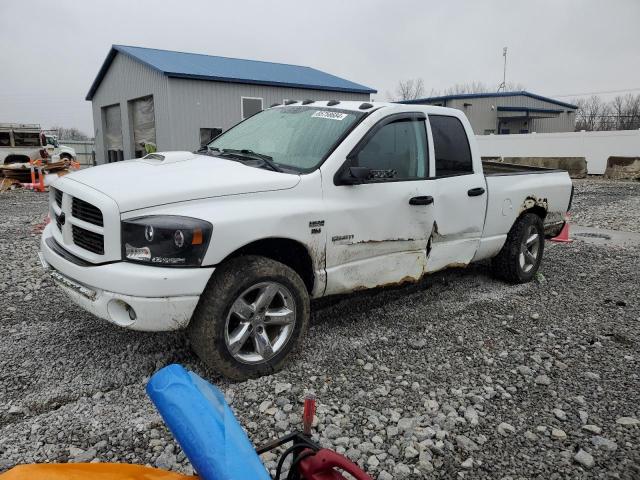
x: 297, y: 460
x: 286, y: 453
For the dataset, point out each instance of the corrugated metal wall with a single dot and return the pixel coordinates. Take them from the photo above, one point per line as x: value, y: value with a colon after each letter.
x: 183, y: 106
x: 128, y: 80
x: 484, y: 118
x: 196, y: 104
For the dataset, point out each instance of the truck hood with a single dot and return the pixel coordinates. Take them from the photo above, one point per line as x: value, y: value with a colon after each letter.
x: 169, y: 177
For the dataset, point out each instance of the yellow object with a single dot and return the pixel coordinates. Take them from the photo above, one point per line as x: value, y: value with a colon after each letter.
x: 90, y: 471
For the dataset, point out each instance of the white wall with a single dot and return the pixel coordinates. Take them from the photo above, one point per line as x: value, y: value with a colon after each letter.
x: 596, y: 147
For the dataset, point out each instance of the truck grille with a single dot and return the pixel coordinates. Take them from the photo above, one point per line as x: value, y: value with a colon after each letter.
x: 86, y: 212
x: 58, y: 196
x: 94, y: 242
x: 57, y: 219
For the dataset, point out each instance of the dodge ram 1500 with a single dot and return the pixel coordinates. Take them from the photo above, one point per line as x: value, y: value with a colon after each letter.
x: 299, y: 201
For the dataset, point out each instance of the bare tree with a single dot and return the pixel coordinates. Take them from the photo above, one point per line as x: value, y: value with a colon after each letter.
x: 622, y: 113
x: 64, y: 133
x: 464, y: 88
x: 626, y: 112
x: 477, y: 87
x: 411, y: 89
x: 589, y: 113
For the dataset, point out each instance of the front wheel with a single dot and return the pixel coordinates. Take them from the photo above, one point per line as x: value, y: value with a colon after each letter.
x: 251, y: 317
x: 521, y: 255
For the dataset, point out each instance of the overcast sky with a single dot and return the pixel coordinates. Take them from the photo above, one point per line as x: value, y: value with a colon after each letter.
x: 51, y: 50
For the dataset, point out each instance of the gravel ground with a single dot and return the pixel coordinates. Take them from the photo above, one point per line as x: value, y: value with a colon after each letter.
x: 460, y: 376
x: 607, y: 204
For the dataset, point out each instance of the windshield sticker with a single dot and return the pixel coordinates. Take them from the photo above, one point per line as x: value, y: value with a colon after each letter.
x: 330, y: 115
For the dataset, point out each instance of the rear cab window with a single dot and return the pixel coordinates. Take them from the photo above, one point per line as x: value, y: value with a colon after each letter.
x: 451, y: 146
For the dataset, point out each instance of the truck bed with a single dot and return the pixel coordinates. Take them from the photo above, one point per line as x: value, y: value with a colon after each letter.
x: 493, y: 169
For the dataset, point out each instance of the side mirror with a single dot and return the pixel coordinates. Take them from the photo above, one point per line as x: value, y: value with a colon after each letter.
x: 354, y: 175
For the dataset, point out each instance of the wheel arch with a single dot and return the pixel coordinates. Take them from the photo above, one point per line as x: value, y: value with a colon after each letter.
x: 16, y: 158
x: 290, y: 252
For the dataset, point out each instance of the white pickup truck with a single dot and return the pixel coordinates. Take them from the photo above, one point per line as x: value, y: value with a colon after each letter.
x: 299, y: 201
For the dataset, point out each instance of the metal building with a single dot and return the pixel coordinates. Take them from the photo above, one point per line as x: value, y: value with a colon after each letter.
x: 509, y: 112
x: 178, y: 100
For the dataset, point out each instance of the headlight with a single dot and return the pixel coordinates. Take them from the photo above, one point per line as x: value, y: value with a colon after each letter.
x: 168, y: 241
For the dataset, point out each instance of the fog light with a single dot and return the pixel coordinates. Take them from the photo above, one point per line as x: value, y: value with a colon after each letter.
x: 121, y: 313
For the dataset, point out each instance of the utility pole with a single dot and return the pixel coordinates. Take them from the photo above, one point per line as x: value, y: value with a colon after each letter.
x: 503, y: 85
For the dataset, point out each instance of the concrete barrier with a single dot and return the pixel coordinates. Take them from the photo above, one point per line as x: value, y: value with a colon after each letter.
x: 576, y: 166
x: 623, y: 168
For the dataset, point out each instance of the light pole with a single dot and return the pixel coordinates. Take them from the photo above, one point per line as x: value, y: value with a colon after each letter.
x: 503, y: 85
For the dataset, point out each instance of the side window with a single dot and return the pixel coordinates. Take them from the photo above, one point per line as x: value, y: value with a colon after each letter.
x: 451, y: 146
x: 250, y: 106
x: 26, y: 139
x: 396, y: 151
x: 5, y: 139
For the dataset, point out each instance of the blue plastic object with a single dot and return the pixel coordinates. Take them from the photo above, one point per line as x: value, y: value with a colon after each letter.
x: 205, y: 427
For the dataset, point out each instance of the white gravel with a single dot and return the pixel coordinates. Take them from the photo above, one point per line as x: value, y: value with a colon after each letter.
x: 460, y: 376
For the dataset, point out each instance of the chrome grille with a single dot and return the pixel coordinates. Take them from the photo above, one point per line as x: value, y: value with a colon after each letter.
x: 86, y: 212
x: 94, y: 242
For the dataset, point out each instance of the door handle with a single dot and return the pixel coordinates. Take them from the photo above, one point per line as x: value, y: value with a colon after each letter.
x: 475, y: 192
x: 426, y: 200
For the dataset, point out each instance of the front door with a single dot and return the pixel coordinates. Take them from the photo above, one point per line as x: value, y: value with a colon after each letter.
x: 377, y: 231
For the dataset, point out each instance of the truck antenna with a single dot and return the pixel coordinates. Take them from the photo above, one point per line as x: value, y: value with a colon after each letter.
x: 503, y: 85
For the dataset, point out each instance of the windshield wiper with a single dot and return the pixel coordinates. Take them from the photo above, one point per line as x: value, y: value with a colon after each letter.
x: 206, y: 149
x: 266, y: 159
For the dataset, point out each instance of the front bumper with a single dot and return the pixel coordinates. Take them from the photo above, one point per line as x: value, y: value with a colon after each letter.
x: 134, y: 296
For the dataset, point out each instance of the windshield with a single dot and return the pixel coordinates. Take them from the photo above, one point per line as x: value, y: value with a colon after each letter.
x: 294, y: 137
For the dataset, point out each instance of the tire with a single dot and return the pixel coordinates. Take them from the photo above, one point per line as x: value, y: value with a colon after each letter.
x: 513, y: 264
x: 234, y: 312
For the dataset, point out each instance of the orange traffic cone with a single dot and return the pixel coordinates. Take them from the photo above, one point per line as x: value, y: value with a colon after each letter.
x: 563, y: 236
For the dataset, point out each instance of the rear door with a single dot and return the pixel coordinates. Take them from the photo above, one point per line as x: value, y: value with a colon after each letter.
x: 377, y: 231
x: 459, y: 188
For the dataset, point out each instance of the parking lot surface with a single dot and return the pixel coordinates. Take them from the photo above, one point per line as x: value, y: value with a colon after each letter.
x: 459, y: 376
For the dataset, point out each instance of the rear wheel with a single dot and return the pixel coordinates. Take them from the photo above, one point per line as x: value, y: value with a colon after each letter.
x: 251, y: 317
x: 521, y: 255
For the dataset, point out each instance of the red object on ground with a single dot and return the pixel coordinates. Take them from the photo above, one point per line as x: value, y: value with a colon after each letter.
x: 326, y: 465
x: 563, y: 236
x: 308, y: 413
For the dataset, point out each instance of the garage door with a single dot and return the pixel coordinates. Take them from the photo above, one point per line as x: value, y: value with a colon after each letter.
x: 143, y: 124
x: 113, y: 133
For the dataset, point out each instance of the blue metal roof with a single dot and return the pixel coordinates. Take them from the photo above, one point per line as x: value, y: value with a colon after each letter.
x: 224, y: 69
x: 444, y: 98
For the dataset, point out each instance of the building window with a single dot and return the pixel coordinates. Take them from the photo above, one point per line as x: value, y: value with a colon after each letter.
x: 451, y: 146
x: 250, y: 106
x: 208, y: 134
